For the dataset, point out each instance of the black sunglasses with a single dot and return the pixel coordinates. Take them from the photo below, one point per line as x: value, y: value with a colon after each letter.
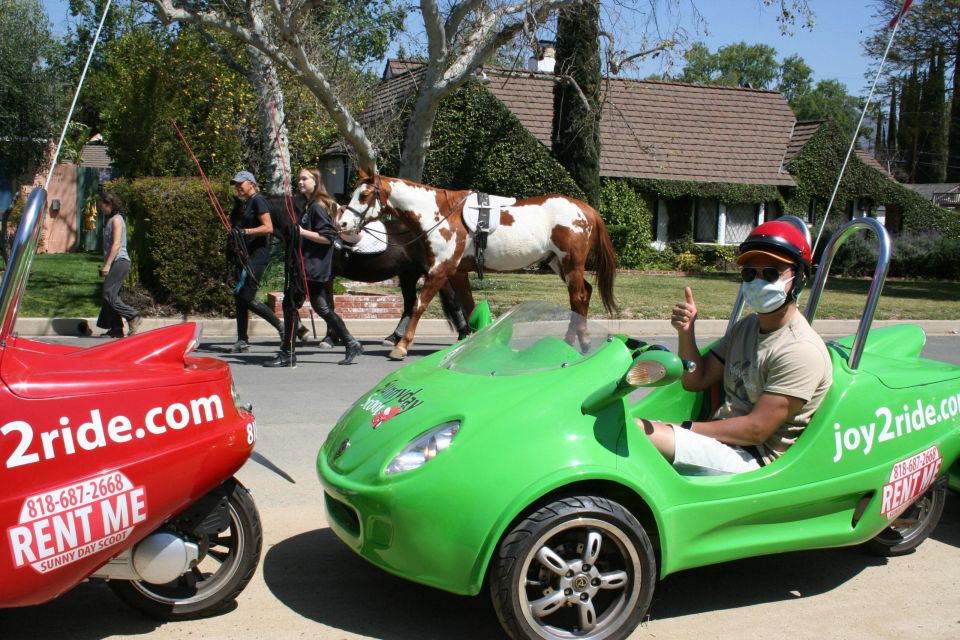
x: 770, y: 274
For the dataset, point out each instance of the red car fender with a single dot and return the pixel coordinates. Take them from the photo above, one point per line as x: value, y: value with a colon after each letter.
x: 100, y: 446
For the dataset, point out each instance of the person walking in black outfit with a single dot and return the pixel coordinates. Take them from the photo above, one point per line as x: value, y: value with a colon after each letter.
x: 115, y: 269
x: 252, y: 235
x: 285, y: 227
x: 320, y: 237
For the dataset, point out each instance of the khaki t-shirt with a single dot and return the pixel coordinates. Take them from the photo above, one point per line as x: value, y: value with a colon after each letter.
x: 791, y: 361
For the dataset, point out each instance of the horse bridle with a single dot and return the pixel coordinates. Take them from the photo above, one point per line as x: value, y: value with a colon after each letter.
x: 362, y: 215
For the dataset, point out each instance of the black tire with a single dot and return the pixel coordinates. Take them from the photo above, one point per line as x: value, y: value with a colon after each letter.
x: 547, y: 577
x: 912, y: 527
x: 227, y: 563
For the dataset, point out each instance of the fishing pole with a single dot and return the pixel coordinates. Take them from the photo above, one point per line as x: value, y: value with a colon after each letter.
x: 238, y: 243
x: 295, y: 230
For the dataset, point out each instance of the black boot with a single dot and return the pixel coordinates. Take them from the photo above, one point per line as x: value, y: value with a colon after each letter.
x: 282, y: 359
x: 353, y: 350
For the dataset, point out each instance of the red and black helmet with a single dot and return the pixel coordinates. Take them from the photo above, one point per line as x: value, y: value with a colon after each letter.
x: 781, y: 240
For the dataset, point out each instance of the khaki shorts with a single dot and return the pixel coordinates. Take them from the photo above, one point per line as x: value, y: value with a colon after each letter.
x: 707, y: 456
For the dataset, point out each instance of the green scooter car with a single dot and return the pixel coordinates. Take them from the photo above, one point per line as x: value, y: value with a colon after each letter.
x: 512, y: 459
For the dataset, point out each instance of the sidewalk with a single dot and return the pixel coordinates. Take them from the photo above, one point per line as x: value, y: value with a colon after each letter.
x: 369, y: 329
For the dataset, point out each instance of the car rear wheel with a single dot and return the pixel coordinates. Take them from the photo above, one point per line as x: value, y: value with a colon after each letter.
x: 227, y: 563
x: 913, y: 526
x: 579, y: 567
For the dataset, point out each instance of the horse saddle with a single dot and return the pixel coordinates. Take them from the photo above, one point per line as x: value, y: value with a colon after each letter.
x: 373, y: 239
x: 481, y: 211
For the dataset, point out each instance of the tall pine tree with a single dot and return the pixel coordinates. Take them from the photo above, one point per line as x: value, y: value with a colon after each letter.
x: 931, y: 161
x: 892, y: 122
x: 907, y: 134
x: 953, y: 142
x: 576, y: 126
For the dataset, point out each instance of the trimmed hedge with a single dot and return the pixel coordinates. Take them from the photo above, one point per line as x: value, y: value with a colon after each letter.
x: 925, y: 255
x: 629, y: 223
x: 177, y: 243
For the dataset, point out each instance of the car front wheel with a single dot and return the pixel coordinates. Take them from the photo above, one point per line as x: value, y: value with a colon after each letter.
x: 229, y: 560
x: 579, y: 567
x: 913, y: 526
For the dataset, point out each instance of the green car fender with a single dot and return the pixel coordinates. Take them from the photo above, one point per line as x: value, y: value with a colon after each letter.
x: 641, y: 493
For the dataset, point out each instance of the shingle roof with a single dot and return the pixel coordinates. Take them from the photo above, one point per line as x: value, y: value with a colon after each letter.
x: 802, y: 132
x: 927, y: 189
x: 873, y: 163
x: 658, y: 130
x: 691, y: 132
x: 96, y: 156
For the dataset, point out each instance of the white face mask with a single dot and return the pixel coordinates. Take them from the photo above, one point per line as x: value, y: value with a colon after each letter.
x: 764, y: 296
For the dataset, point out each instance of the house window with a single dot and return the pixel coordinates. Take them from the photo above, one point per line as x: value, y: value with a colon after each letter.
x: 706, y: 216
x: 773, y: 209
x: 741, y: 219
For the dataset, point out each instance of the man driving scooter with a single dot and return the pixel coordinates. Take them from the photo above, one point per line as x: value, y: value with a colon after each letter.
x: 774, y: 367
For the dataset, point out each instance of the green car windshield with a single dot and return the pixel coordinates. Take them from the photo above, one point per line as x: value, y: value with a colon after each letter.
x: 531, y: 337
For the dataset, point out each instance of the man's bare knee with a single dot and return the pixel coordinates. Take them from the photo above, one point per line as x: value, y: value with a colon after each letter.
x: 661, y: 435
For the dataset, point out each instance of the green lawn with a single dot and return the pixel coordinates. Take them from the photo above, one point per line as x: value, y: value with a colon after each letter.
x: 68, y: 285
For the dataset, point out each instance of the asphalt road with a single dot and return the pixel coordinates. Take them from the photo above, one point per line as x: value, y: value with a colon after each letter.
x: 310, y: 585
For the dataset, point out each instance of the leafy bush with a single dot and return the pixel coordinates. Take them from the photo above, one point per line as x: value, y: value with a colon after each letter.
x: 924, y: 255
x: 629, y: 222
x: 177, y: 243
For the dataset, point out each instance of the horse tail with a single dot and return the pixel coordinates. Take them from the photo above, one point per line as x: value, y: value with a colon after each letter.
x: 605, y: 259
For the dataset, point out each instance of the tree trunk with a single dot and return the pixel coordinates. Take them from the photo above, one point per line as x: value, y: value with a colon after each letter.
x: 418, y: 132
x: 274, y: 155
x: 576, y: 125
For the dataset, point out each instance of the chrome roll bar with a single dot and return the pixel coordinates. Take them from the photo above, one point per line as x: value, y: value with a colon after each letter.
x: 21, y: 256
x: 738, y: 303
x: 876, y: 285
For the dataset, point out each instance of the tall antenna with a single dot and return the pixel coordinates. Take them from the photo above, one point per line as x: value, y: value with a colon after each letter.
x: 76, y: 94
x: 895, y: 23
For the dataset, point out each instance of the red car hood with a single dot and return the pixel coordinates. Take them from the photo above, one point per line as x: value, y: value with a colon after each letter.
x: 33, y: 369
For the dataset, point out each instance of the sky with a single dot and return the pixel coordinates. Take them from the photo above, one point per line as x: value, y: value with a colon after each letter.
x: 833, y: 48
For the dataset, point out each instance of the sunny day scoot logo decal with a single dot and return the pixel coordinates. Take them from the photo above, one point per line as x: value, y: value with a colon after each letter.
x: 389, y: 402
x: 66, y: 524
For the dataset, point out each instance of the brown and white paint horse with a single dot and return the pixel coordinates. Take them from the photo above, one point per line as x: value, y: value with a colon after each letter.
x: 554, y: 228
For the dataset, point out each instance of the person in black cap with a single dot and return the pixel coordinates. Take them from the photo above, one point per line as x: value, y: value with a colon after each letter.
x: 251, y: 234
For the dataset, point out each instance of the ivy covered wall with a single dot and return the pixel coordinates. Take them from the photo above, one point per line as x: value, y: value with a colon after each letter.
x: 477, y: 143
x: 815, y: 171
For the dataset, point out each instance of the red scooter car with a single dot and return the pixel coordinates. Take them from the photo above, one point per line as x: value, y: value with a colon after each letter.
x: 117, y: 462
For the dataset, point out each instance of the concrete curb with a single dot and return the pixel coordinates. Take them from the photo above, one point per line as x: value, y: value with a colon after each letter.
x: 367, y: 328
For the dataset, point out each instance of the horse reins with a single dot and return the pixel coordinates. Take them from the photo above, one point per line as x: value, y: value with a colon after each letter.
x: 383, y: 205
x: 240, y: 245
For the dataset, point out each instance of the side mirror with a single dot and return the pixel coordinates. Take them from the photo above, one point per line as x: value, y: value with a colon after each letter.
x: 656, y: 368
x: 653, y: 367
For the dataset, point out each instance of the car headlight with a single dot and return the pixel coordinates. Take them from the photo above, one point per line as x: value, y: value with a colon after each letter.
x: 425, y: 448
x: 237, y: 402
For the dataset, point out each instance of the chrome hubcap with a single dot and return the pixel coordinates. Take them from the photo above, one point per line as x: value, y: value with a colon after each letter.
x: 579, y: 580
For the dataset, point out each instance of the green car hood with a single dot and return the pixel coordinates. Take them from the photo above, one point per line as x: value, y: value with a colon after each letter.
x: 424, y: 395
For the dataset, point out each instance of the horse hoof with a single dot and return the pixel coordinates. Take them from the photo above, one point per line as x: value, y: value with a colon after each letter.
x: 389, y: 341
x: 398, y: 354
